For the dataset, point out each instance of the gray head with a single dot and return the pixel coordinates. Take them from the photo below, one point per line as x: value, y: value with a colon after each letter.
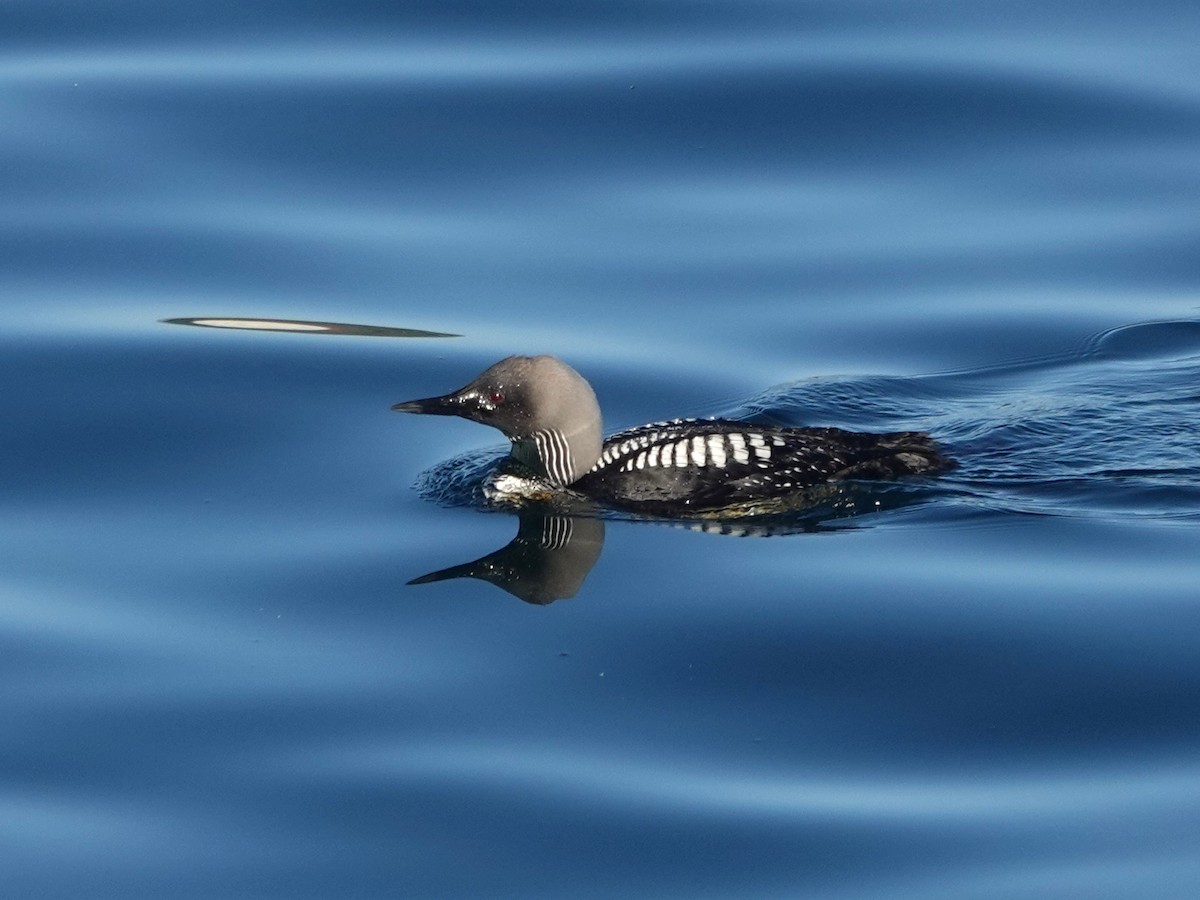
x: 542, y: 405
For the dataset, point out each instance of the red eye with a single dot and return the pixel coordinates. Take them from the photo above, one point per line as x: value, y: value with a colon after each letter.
x: 496, y: 398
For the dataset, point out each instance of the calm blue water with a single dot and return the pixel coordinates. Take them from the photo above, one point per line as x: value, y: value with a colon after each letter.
x: 974, y: 218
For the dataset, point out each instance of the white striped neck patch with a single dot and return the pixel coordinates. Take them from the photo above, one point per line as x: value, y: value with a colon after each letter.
x: 548, y: 453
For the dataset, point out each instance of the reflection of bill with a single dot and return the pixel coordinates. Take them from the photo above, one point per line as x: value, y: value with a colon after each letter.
x: 301, y: 327
x: 547, y: 560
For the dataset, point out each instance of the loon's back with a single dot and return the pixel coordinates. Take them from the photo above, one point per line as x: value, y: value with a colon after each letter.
x: 707, y: 464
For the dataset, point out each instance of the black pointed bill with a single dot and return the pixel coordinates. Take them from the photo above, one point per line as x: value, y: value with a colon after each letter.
x: 468, y: 403
x: 448, y: 405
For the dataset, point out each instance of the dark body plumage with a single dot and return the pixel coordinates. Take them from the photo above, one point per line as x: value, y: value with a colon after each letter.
x: 727, y: 463
x: 678, y: 468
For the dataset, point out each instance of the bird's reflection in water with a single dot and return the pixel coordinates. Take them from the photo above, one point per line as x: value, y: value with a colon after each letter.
x: 556, y: 546
x: 547, y: 560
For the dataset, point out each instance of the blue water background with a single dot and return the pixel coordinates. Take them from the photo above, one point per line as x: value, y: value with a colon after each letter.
x: 975, y: 218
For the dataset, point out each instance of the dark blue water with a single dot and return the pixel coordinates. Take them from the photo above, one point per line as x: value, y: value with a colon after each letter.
x: 978, y: 219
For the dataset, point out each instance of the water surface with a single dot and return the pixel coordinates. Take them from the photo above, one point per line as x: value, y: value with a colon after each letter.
x: 976, y: 219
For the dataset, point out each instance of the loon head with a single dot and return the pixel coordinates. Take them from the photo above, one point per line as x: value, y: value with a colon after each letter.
x: 542, y: 405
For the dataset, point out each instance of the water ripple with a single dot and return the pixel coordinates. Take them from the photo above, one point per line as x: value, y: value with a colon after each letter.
x: 978, y: 799
x: 1090, y: 65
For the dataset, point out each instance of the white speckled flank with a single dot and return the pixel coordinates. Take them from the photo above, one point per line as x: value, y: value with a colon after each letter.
x: 681, y: 454
x: 716, y: 450
x: 662, y: 447
x: 737, y: 443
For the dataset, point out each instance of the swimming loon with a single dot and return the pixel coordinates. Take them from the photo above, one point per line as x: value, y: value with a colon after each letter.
x: 686, y: 466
